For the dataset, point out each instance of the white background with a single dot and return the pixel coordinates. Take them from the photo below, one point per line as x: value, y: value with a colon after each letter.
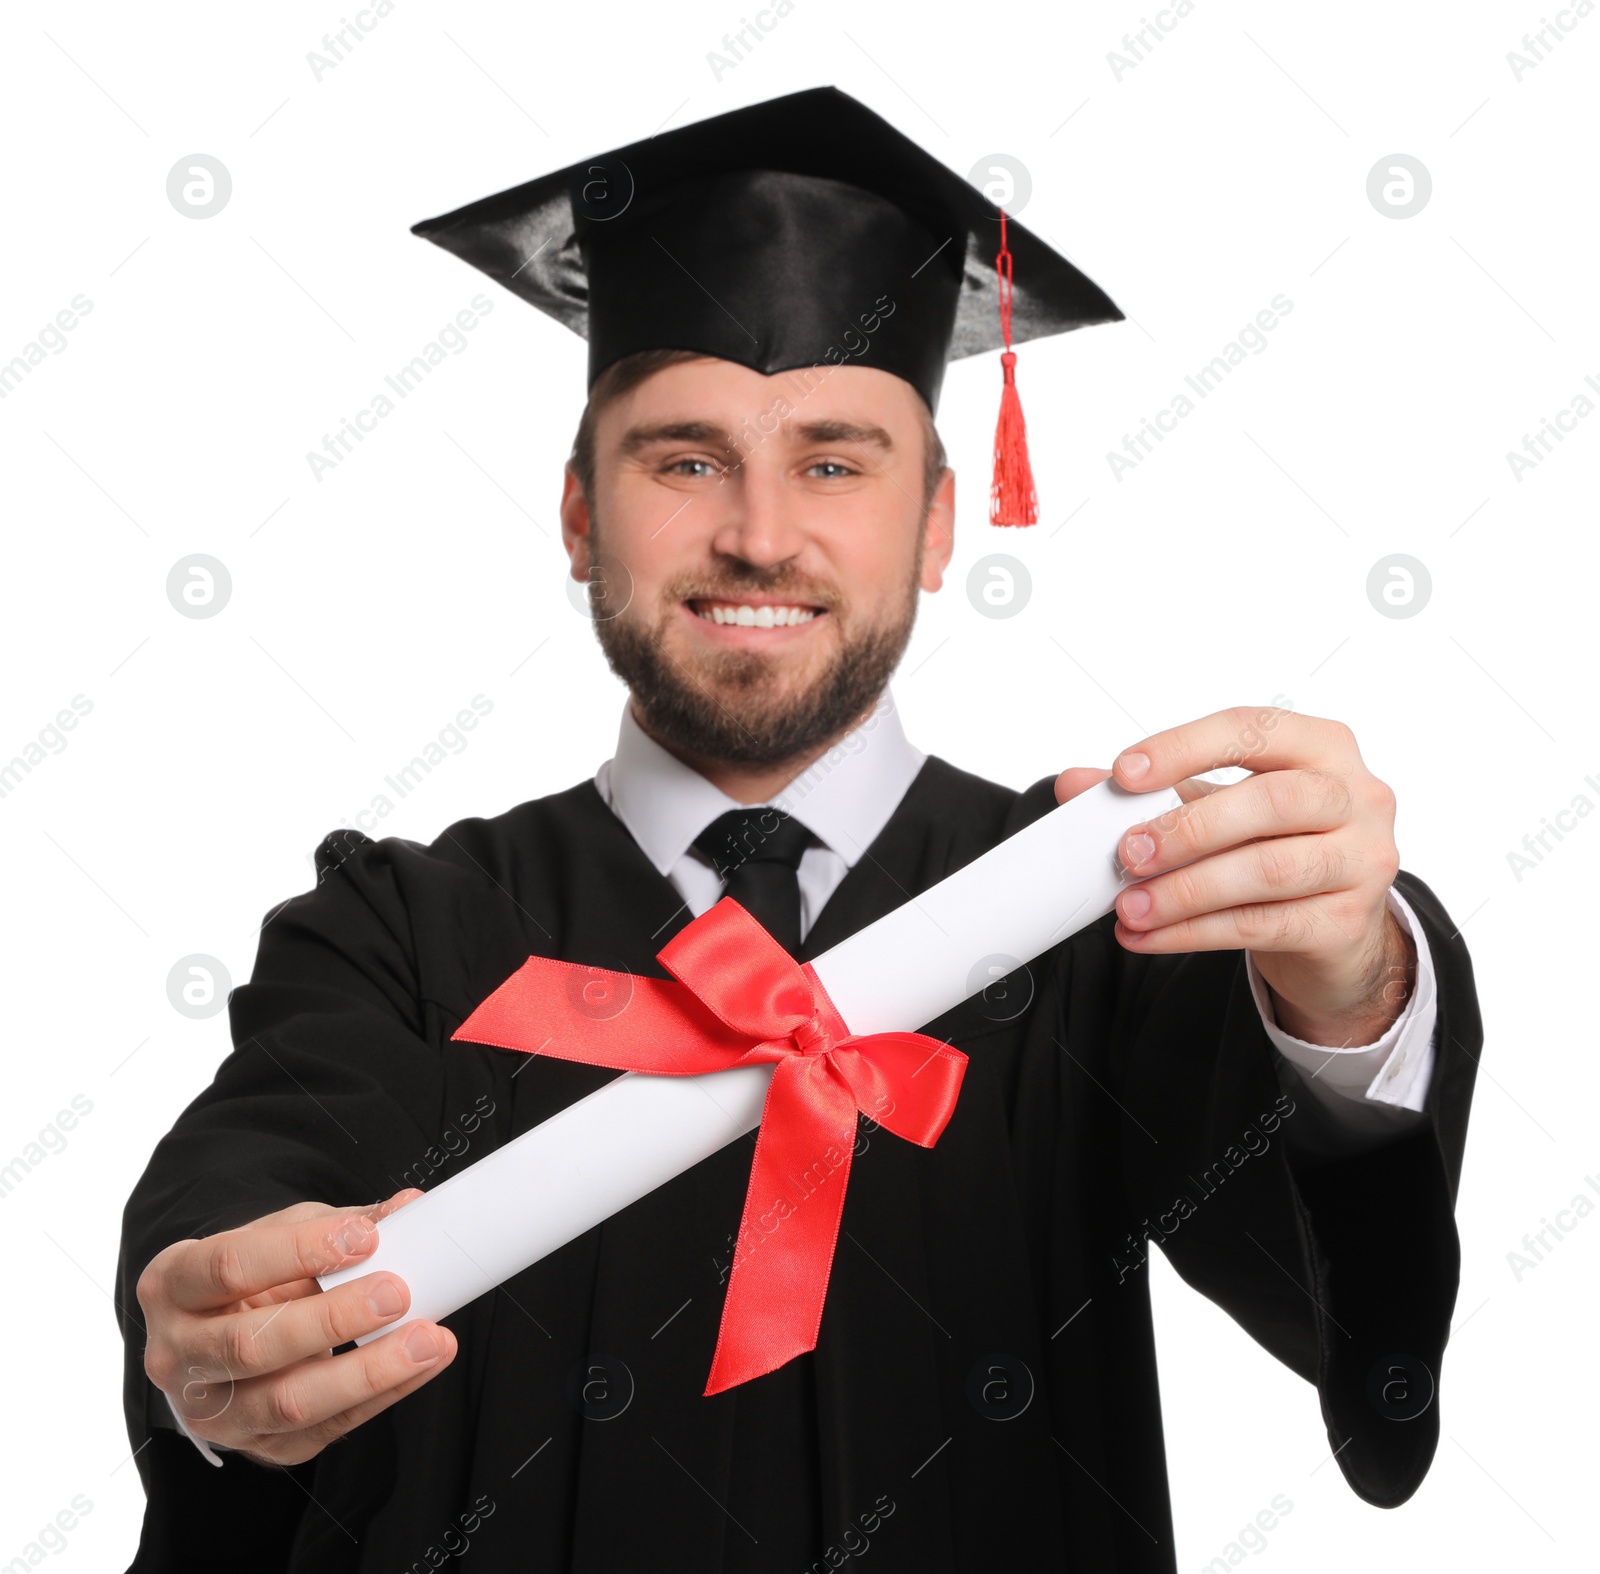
x: 1228, y: 166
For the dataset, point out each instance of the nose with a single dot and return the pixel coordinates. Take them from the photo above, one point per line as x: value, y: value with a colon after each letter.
x: 761, y: 521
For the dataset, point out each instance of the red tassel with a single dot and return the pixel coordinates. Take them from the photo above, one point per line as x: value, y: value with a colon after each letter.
x: 1012, y: 499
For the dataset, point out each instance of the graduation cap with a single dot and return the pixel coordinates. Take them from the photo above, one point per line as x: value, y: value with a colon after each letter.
x: 803, y: 231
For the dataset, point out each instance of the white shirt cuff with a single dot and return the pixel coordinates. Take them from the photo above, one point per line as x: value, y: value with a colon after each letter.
x: 199, y: 1442
x: 1394, y: 1070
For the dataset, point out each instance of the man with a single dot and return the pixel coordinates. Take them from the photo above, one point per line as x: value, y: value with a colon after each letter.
x: 1263, y: 1059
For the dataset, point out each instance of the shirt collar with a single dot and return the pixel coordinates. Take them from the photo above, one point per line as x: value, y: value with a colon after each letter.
x: 844, y: 798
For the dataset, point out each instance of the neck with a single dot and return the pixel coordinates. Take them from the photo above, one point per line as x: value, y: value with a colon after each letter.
x: 742, y: 782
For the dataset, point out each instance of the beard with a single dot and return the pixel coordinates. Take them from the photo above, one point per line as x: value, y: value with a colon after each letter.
x: 735, y: 705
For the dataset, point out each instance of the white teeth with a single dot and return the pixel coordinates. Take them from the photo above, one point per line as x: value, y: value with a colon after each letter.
x: 764, y: 617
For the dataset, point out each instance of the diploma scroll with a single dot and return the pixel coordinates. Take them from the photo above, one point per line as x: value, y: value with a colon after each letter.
x: 592, y: 1159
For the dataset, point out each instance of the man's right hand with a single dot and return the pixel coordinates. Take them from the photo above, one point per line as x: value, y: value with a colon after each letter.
x: 240, y: 1336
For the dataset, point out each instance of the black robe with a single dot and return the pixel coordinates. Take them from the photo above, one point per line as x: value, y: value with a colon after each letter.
x: 983, y: 1393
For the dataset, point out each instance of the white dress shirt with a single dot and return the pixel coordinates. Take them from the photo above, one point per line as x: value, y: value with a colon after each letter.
x: 845, y: 798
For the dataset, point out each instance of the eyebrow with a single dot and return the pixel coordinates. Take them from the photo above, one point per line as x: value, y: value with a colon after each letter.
x: 648, y: 435
x: 845, y: 432
x: 638, y: 438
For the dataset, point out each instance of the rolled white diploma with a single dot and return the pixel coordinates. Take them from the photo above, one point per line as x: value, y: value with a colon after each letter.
x: 589, y: 1161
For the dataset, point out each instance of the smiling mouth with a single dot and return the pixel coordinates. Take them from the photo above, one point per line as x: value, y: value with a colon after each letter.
x: 753, y: 614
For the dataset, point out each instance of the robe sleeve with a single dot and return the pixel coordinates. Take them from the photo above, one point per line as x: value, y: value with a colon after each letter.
x: 331, y: 1076
x: 1343, y: 1264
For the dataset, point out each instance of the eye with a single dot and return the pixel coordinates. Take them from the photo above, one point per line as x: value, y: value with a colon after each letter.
x: 834, y: 466
x: 694, y: 468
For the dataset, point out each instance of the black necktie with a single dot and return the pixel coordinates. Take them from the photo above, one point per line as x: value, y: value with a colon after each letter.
x: 757, y: 852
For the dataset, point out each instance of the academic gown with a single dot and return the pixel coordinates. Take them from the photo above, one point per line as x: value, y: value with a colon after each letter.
x: 983, y: 1393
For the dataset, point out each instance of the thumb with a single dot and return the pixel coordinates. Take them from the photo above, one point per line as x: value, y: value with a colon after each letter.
x: 1076, y: 779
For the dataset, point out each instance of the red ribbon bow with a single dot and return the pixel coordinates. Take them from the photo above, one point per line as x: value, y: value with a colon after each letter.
x: 740, y: 999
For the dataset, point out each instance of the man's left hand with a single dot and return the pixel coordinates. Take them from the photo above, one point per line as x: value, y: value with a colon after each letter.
x: 1293, y: 864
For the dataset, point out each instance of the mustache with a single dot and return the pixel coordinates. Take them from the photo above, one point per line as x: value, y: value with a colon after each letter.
x: 750, y: 579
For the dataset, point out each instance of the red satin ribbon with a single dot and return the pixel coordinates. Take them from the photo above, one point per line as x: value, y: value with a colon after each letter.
x: 740, y: 999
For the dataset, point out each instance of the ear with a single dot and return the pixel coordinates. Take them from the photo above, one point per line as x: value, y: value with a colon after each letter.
x: 575, y: 525
x: 938, y: 531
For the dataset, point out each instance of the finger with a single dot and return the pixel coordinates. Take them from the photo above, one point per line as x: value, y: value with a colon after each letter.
x: 317, y: 1210
x: 293, y: 1214
x: 1076, y: 779
x: 314, y: 1391
x: 265, y: 1339
x: 295, y: 1448
x: 393, y: 1204
x: 373, y: 1211
x: 1262, y: 738
x: 1298, y: 925
x: 1279, y: 869
x: 225, y: 1268
x: 324, y: 1432
x: 290, y: 1215
x: 1193, y: 787
x: 308, y: 1286
x: 1278, y: 803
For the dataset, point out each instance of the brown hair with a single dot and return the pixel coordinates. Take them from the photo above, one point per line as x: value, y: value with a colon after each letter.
x: 624, y: 375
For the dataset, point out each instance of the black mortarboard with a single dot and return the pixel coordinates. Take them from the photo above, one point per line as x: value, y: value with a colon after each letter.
x: 773, y: 236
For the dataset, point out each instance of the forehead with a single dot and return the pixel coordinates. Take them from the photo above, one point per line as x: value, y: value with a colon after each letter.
x: 729, y: 394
